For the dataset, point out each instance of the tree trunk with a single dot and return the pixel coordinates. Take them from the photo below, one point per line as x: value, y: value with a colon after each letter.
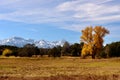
x: 93, y: 56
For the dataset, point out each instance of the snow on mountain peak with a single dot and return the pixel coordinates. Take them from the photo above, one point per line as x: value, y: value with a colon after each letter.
x: 20, y: 42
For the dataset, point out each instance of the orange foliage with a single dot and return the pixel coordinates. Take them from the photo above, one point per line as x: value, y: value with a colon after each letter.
x: 98, y: 36
x: 93, y: 39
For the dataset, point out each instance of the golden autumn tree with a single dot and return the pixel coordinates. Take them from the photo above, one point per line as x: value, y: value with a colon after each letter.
x: 87, y: 38
x: 93, y: 40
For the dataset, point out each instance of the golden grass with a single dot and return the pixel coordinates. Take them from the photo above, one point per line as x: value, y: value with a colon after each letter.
x: 46, y: 67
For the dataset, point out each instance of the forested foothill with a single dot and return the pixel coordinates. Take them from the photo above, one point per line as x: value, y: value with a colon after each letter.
x: 73, y: 50
x: 30, y: 50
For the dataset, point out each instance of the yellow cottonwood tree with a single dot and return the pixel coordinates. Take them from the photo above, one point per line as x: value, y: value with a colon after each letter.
x: 87, y: 38
x: 93, y: 40
x: 100, y: 32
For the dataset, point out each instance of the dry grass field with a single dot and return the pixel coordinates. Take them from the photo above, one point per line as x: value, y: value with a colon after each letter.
x: 65, y: 68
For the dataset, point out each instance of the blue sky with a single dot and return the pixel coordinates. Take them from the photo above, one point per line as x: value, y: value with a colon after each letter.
x: 58, y: 19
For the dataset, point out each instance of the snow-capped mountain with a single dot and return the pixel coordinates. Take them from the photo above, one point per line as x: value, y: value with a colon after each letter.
x: 16, y: 41
x: 20, y: 42
x: 48, y: 44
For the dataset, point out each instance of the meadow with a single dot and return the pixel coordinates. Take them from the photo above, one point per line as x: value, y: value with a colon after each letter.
x: 64, y: 68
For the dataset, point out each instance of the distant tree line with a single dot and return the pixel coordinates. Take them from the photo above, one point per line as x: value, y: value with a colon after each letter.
x: 111, y: 50
x: 30, y: 50
x: 74, y: 50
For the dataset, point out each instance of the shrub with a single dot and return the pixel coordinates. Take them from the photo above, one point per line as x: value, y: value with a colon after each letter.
x: 7, y: 52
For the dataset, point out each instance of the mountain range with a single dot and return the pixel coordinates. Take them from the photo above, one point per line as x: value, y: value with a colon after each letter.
x: 20, y: 42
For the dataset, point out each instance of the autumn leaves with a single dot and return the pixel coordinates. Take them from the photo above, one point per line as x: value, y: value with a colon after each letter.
x: 93, y: 40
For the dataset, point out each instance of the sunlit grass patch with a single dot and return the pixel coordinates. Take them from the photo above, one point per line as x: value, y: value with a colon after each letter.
x: 46, y: 67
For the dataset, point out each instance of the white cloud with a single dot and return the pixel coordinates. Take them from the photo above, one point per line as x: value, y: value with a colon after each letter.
x: 81, y: 13
x: 32, y: 29
x: 7, y: 2
x: 74, y: 27
x: 92, y: 11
